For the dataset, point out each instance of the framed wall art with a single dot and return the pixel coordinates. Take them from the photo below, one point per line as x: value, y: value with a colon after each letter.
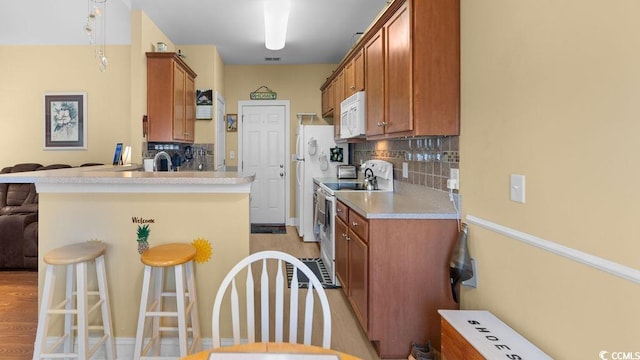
x: 232, y: 122
x: 65, y: 121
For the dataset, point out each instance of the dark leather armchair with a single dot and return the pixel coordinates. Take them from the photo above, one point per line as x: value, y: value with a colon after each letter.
x: 18, y: 209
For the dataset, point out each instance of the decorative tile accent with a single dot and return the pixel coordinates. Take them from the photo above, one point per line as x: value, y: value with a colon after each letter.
x: 431, y: 171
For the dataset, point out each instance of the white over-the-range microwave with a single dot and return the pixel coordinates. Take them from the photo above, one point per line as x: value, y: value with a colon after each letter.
x: 352, y: 116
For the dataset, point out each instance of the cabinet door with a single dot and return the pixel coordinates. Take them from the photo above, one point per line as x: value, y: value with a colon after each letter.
x: 349, y: 80
x: 338, y: 91
x: 398, y: 72
x: 190, y: 108
x: 359, y: 277
x: 179, y: 130
x: 374, y: 78
x: 342, y: 254
x: 358, y: 71
x: 327, y: 101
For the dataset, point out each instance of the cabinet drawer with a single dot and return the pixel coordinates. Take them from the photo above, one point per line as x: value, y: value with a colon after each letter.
x: 359, y: 225
x: 341, y: 211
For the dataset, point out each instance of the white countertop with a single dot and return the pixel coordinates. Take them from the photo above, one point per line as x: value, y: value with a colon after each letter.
x: 129, y: 178
x: 406, y: 202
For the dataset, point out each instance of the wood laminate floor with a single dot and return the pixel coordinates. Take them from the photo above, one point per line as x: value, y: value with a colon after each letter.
x: 19, y: 305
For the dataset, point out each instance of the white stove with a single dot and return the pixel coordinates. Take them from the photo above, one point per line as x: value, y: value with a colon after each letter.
x: 325, y: 206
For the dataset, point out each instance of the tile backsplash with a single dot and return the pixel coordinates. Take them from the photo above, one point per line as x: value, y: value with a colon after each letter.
x: 193, y: 157
x: 429, y: 158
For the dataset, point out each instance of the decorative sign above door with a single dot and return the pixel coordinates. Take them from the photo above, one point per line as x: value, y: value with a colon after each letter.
x: 266, y: 94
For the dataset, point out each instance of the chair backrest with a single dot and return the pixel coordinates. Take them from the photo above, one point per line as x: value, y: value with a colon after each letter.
x: 281, y: 290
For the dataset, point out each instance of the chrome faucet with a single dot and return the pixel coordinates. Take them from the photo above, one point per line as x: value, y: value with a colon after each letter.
x: 166, y: 156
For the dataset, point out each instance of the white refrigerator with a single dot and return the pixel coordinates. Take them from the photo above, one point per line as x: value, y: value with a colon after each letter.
x: 312, y: 159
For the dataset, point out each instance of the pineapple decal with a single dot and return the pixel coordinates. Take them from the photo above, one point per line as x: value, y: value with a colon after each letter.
x: 143, y: 236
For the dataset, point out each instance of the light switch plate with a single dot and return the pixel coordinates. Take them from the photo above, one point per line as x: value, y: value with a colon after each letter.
x: 405, y: 170
x: 517, y: 187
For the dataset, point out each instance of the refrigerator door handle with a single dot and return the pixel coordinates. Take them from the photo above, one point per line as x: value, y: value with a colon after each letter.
x: 299, y: 149
x: 298, y: 172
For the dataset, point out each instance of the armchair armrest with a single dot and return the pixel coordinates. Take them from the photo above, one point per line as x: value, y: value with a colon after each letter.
x: 24, y: 209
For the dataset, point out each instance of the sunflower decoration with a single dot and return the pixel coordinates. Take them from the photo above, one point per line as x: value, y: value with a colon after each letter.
x: 203, y: 250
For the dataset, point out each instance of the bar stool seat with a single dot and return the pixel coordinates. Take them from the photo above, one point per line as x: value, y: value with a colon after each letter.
x: 75, y: 306
x: 179, y: 258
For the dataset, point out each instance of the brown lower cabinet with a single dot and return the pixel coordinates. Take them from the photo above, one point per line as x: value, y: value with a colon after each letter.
x: 395, y: 273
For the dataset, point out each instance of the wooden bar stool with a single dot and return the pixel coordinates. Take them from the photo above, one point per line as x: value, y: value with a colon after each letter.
x: 178, y: 257
x: 75, y: 305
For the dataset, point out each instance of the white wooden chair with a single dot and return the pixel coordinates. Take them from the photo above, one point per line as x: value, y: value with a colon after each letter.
x: 279, y: 294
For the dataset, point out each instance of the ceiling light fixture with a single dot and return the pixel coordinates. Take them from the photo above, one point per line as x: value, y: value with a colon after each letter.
x: 276, y: 17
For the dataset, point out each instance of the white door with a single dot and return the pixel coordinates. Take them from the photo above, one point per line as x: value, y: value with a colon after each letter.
x: 220, y: 154
x: 263, y: 151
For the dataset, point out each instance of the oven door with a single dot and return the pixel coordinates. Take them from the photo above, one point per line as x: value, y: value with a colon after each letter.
x: 325, y: 225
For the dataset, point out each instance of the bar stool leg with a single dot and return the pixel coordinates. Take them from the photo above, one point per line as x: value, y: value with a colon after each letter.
x: 182, y: 321
x: 158, y: 301
x: 105, y: 308
x: 83, y: 306
x: 142, y: 313
x: 70, y: 305
x: 193, y: 300
x: 43, y: 316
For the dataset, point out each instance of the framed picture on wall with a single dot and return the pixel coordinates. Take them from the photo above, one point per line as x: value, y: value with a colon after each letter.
x: 65, y: 121
x: 232, y: 122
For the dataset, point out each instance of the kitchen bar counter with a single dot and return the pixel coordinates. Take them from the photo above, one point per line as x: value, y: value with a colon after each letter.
x: 130, y: 178
x: 108, y: 203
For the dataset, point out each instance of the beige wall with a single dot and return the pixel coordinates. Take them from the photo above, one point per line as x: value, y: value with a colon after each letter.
x: 27, y: 72
x: 550, y: 90
x: 221, y: 219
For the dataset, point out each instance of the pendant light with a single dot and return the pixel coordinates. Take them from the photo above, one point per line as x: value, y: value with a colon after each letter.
x: 96, y: 29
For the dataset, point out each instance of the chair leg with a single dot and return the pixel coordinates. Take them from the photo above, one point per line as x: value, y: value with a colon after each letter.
x: 103, y: 288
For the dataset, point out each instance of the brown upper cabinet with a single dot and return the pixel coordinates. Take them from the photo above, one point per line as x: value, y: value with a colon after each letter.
x: 338, y: 96
x: 171, y: 102
x: 354, y: 74
x: 411, y: 70
x: 327, y: 100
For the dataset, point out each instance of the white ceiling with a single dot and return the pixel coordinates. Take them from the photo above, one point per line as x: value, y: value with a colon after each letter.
x: 319, y: 31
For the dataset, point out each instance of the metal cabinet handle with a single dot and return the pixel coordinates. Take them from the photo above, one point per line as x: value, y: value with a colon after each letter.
x: 281, y: 174
x: 354, y: 224
x: 352, y: 87
x: 338, y: 210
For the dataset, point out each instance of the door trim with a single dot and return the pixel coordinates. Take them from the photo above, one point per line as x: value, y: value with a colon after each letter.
x: 287, y: 146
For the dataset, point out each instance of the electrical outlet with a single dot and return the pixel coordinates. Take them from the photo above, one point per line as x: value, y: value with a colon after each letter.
x: 455, y: 175
x: 405, y: 170
x: 232, y: 154
x: 453, y: 183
